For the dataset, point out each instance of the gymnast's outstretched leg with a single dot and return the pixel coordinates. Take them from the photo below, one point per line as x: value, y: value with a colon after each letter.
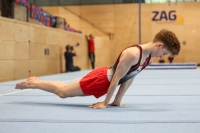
x: 59, y: 88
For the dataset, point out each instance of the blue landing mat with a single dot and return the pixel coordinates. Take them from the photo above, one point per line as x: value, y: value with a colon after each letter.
x: 159, y: 101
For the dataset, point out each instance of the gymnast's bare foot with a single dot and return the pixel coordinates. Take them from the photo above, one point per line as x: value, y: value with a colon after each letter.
x: 26, y: 84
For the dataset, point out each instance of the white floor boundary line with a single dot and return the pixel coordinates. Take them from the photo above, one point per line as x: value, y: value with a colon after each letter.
x: 102, y: 121
x: 14, y: 92
x: 29, y: 89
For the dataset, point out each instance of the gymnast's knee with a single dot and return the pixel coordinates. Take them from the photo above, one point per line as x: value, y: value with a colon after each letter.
x: 61, y: 93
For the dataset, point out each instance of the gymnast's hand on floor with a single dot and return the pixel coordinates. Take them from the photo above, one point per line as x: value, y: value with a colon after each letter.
x: 99, y: 105
x: 116, y: 104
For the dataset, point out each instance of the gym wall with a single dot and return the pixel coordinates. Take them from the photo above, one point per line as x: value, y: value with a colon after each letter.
x: 122, y: 21
x: 28, y: 49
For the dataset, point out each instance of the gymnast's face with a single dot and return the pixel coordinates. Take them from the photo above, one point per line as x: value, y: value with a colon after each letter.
x: 160, y: 51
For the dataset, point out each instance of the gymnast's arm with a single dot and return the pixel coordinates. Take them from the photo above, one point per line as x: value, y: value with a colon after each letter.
x: 127, y: 59
x: 123, y: 88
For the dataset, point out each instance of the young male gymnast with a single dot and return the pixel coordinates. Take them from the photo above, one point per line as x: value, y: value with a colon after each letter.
x: 98, y: 82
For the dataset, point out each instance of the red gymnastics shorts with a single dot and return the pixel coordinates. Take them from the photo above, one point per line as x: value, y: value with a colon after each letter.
x: 95, y: 83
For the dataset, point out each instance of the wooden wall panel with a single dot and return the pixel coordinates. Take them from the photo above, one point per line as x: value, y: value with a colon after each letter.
x: 97, y: 8
x: 72, y: 16
x: 27, y: 52
x: 126, y: 26
x: 145, y: 24
x: 191, y: 48
x: 40, y: 51
x: 40, y: 35
x: 74, y: 10
x: 192, y: 9
x: 6, y: 50
x: 84, y: 24
x: 7, y: 70
x: 98, y: 15
x: 103, y: 56
x: 21, y: 50
x: 39, y: 67
x: 53, y: 51
x: 21, y: 30
x: 31, y: 33
x: 32, y: 51
x: 62, y: 37
x: 7, y: 29
x: 44, y: 67
x: 33, y: 67
x: 52, y: 10
x: 53, y: 66
x: 97, y: 21
x: 21, y: 69
x: 192, y: 20
x: 195, y: 58
x: 51, y: 36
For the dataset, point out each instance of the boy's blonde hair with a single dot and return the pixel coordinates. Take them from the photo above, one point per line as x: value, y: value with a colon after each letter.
x: 170, y: 41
